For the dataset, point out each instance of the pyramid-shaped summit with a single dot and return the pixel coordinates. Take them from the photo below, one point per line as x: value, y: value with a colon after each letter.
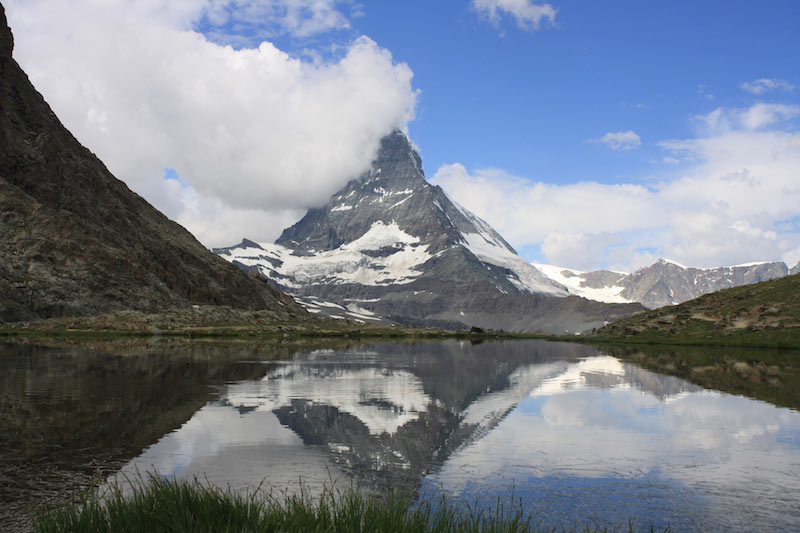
x: 390, y: 244
x: 394, y: 191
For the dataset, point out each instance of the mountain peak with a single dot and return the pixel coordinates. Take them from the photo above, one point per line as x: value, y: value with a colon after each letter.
x: 398, y: 149
x: 378, y: 194
x: 391, y: 245
x: 670, y: 262
x: 6, y: 37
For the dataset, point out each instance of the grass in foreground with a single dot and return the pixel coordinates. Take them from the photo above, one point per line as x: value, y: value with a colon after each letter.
x: 167, y: 505
x: 161, y: 504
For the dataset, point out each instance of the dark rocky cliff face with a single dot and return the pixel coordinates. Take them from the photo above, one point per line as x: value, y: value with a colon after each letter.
x: 6, y: 37
x: 75, y: 240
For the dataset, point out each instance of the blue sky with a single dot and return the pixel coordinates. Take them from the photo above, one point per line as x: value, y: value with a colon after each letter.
x: 496, y: 95
x: 590, y: 134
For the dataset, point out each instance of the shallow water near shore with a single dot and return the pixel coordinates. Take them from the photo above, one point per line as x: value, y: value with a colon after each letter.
x: 572, y: 434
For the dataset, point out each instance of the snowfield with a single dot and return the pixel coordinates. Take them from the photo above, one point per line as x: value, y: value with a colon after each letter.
x: 488, y: 246
x: 571, y: 279
x: 346, y: 264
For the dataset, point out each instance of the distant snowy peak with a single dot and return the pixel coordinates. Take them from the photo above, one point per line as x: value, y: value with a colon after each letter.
x: 670, y: 262
x: 665, y: 282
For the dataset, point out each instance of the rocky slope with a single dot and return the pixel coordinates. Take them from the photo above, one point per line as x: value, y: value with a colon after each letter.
x: 75, y: 240
x: 389, y: 244
x: 663, y: 282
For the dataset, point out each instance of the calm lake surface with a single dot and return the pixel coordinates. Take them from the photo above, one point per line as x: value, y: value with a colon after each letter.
x: 576, y: 436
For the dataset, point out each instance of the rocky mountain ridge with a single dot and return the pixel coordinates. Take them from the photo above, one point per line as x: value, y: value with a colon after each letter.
x: 664, y: 282
x: 389, y: 244
x: 74, y: 240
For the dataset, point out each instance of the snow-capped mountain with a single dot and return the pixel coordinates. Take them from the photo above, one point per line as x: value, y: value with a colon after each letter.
x: 390, y: 244
x: 662, y: 283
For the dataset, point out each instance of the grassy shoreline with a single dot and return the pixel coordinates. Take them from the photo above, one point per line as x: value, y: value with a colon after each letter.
x: 238, y: 331
x: 767, y: 342
x: 234, y: 333
x: 224, y: 322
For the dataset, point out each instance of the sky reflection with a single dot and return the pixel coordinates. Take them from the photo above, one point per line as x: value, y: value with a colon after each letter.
x: 611, y: 432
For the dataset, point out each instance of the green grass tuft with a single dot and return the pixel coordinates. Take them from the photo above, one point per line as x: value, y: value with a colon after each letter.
x: 161, y: 504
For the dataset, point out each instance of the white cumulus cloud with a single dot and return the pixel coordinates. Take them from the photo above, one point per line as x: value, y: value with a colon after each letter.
x: 726, y: 207
x: 764, y: 85
x: 620, y: 140
x: 234, y: 21
x: 528, y: 15
x: 255, y: 135
x: 757, y: 116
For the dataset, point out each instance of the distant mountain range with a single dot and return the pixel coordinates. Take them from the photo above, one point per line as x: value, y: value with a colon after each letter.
x: 391, y: 245
x: 74, y: 240
x: 662, y: 283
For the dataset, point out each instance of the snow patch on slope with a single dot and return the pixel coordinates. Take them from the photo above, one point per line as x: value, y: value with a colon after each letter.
x: 528, y: 279
x: 346, y: 264
x: 490, y: 248
x: 380, y: 235
x: 671, y: 262
x: 573, y: 281
x: 747, y: 265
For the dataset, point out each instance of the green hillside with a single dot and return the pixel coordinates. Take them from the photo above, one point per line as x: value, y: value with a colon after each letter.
x: 764, y: 314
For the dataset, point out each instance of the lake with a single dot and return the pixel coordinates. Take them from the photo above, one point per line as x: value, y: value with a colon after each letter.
x: 576, y: 435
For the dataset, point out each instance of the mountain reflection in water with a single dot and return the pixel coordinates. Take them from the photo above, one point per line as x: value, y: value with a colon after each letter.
x: 384, y: 415
x: 578, y: 437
